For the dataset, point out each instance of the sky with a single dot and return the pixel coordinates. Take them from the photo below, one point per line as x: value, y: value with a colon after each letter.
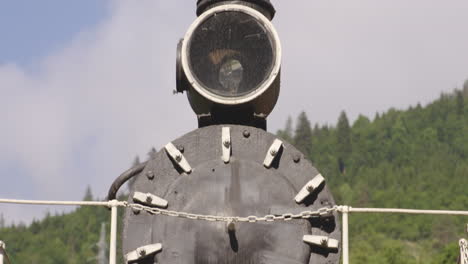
x: 87, y: 85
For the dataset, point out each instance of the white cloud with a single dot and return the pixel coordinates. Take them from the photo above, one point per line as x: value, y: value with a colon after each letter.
x: 365, y: 56
x: 91, y: 107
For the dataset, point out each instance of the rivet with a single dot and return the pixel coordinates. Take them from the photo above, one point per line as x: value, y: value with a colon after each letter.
x: 149, y: 199
x: 273, y: 152
x: 136, y: 211
x: 297, y: 158
x: 142, y: 252
x: 324, y: 242
x: 150, y: 175
x: 246, y: 133
x: 181, y: 148
x: 227, y: 143
x: 178, y: 158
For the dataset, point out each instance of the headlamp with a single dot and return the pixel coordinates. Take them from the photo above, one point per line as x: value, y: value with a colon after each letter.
x: 230, y: 58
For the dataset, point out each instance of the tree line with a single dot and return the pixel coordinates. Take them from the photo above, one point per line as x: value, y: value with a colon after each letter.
x: 413, y: 158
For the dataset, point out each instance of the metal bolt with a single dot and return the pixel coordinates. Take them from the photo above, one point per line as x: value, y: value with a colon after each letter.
x: 150, y: 175
x: 273, y: 152
x: 136, y: 211
x: 227, y: 143
x: 178, y: 158
x: 142, y: 252
x: 149, y: 199
x: 231, y: 227
x: 324, y: 242
x: 181, y: 148
x: 310, y: 188
x: 297, y: 158
x: 246, y: 134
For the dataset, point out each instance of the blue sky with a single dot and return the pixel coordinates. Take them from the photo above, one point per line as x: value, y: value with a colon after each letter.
x: 31, y: 30
x: 87, y: 85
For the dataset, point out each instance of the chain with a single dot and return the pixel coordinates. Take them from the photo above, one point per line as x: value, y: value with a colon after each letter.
x: 325, y: 211
x: 464, y: 251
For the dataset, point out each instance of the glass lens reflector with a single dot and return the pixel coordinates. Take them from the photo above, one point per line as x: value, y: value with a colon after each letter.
x: 231, y: 54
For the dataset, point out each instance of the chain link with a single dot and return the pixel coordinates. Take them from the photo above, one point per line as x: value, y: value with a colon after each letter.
x: 463, y: 251
x: 248, y: 219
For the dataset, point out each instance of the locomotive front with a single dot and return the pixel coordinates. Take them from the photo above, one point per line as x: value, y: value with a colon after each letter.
x: 230, y: 192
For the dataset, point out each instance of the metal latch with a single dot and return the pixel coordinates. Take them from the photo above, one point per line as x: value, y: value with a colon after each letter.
x: 321, y: 241
x: 177, y: 156
x: 309, y: 188
x: 226, y: 144
x: 142, y: 252
x: 149, y: 199
x: 272, y: 153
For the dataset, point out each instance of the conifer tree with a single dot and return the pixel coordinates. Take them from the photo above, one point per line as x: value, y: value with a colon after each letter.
x: 303, y: 134
x: 460, y: 103
x: 88, y: 194
x: 132, y: 180
x: 2, y: 221
x: 152, y: 153
x: 287, y: 133
x: 465, y: 89
x: 316, y: 131
x: 377, y: 116
x: 344, y: 141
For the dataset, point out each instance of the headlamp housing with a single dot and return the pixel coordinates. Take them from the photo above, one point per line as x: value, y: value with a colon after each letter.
x: 229, y: 60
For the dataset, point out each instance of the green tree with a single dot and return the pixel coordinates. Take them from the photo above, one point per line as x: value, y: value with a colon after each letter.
x: 344, y: 147
x: 88, y: 194
x: 2, y: 221
x: 287, y: 132
x: 465, y: 89
x: 303, y: 134
x: 460, y: 103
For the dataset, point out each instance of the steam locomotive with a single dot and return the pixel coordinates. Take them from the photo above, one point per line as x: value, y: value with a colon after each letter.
x: 229, y: 192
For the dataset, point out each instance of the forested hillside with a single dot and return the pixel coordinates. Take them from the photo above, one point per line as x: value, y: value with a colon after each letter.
x: 61, y: 238
x: 417, y: 158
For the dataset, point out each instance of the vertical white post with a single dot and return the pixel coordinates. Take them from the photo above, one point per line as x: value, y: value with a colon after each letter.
x: 113, y: 236
x: 3, y: 253
x: 345, y: 235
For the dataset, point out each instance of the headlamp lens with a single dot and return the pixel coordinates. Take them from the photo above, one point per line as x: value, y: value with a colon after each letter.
x: 231, y: 54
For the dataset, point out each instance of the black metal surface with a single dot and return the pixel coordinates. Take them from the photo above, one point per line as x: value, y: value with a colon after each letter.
x: 123, y: 178
x: 232, y: 116
x: 181, y: 81
x: 241, y: 187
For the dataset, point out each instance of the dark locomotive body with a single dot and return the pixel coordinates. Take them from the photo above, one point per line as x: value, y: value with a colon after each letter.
x: 229, y: 192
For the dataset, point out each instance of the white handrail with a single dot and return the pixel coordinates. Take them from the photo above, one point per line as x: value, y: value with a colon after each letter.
x: 406, y: 211
x: 114, y: 204
x: 346, y: 210
x: 65, y: 203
